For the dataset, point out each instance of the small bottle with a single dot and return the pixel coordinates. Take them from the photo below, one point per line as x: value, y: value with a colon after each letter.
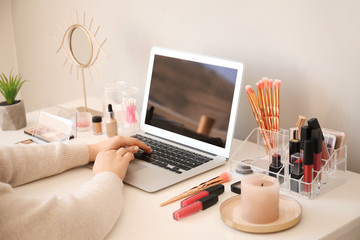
x: 111, y: 124
x: 97, y: 128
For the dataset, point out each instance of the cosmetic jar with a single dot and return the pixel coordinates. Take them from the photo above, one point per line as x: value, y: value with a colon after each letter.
x: 96, y: 123
x: 83, y: 122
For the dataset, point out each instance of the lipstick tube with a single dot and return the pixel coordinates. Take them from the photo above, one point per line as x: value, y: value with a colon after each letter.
x: 294, y: 133
x: 294, y: 147
x: 305, y: 135
x: 314, y: 124
x: 308, y: 160
x: 195, y: 207
x: 216, y: 189
x: 276, y: 165
x: 316, y: 136
x: 296, y: 173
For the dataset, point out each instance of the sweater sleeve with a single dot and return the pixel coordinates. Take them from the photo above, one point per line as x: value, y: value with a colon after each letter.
x: 89, y: 213
x: 20, y: 164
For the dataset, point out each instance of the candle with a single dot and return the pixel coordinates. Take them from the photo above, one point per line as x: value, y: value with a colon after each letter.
x: 260, y: 199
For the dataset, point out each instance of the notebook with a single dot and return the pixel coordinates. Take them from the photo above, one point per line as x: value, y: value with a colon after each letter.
x: 190, y: 102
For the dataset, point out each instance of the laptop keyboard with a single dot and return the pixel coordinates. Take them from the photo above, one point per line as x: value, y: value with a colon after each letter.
x: 169, y: 157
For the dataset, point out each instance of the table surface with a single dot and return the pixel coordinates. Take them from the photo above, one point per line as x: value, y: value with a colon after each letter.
x: 336, y: 212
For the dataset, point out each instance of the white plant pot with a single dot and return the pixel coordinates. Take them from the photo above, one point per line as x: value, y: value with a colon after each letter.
x: 12, y: 117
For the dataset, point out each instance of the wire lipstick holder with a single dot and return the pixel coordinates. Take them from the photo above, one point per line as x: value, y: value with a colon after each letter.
x: 267, y: 152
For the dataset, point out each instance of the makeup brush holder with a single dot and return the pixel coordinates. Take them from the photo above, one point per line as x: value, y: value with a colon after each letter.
x: 267, y: 152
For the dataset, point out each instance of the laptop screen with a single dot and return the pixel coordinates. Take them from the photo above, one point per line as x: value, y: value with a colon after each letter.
x: 192, y: 97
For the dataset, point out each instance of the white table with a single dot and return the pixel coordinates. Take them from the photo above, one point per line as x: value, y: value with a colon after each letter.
x: 334, y: 214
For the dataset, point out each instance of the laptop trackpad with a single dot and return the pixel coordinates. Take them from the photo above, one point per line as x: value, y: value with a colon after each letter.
x: 136, y: 165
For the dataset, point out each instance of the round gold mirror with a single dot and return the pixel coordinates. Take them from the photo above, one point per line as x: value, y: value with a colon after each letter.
x: 79, y: 48
x: 80, y: 45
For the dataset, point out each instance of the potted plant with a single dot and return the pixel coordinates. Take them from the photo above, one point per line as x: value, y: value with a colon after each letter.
x: 12, y: 111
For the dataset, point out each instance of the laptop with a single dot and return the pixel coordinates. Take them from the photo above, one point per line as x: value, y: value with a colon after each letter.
x: 190, y: 104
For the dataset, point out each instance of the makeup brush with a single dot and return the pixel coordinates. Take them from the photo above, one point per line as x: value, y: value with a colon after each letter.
x: 257, y: 114
x: 262, y: 98
x: 255, y: 106
x: 224, y: 177
x: 271, y: 105
x: 276, y: 106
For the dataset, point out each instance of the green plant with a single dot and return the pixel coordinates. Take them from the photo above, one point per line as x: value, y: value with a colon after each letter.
x: 10, y: 86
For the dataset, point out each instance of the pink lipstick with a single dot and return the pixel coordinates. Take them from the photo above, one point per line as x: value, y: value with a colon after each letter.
x: 217, y: 190
x: 201, y: 204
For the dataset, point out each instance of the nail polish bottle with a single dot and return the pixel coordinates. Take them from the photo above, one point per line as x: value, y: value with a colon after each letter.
x: 111, y: 124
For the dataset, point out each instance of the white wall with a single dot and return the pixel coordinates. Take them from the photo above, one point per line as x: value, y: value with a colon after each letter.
x: 312, y: 46
x: 7, y: 43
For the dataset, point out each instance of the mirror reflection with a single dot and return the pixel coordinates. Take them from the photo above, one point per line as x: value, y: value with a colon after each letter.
x: 80, y: 46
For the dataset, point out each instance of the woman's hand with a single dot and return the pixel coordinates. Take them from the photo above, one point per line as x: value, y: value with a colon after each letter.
x: 116, y: 161
x: 115, y: 143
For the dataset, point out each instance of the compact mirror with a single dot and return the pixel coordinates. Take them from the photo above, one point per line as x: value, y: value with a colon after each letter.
x: 80, y: 44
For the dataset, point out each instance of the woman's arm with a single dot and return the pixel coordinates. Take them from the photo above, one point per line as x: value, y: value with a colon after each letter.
x: 89, y: 213
x: 20, y: 164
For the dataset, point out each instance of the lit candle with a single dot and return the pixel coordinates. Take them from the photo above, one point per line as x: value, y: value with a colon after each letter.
x: 260, y: 199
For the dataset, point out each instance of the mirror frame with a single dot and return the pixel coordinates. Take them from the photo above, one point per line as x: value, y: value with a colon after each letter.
x: 74, y: 59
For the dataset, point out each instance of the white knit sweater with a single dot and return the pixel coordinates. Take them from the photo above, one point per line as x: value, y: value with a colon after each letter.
x: 89, y: 213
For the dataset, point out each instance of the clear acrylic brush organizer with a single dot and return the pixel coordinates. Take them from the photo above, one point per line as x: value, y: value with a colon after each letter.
x: 262, y: 148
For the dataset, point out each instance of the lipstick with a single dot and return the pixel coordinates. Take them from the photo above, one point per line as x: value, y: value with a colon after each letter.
x: 316, y: 136
x: 294, y: 133
x: 314, y: 124
x: 201, y: 204
x: 276, y: 165
x: 305, y: 135
x: 308, y: 161
x: 294, y: 147
x: 217, y: 190
x: 296, y: 172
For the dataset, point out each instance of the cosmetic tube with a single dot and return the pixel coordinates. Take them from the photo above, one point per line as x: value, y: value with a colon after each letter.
x: 316, y: 136
x: 296, y: 173
x: 294, y: 133
x: 201, y: 204
x: 216, y: 189
x: 276, y: 165
x: 308, y: 161
x: 294, y: 147
x: 305, y: 135
x: 314, y: 124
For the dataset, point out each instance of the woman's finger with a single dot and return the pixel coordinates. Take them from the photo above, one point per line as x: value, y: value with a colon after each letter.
x: 131, y: 149
x: 130, y: 141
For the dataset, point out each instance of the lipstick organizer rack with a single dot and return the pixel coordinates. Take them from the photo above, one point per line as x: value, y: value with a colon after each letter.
x: 255, y: 155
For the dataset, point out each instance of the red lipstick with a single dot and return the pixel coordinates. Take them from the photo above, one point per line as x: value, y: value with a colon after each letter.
x: 217, y: 190
x: 308, y: 161
x: 201, y: 204
x: 316, y: 136
x: 314, y: 124
x: 296, y: 173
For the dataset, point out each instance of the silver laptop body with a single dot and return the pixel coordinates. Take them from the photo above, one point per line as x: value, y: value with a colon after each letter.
x: 190, y: 101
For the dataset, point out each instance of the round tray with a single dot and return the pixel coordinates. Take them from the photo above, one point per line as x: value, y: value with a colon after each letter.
x: 289, y: 216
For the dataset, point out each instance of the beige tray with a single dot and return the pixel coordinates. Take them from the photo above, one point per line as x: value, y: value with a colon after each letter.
x: 289, y: 216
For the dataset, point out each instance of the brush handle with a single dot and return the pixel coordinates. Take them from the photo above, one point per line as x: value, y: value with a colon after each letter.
x: 194, y: 190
